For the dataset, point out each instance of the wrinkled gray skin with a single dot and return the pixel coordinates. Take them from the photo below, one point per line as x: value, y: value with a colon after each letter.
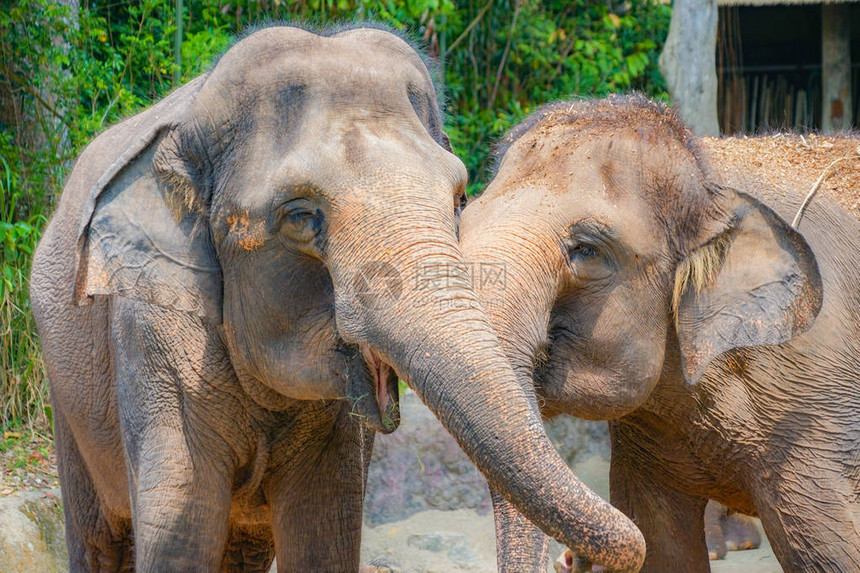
x: 227, y: 288
x: 742, y: 395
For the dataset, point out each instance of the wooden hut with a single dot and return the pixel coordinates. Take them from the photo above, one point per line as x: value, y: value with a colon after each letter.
x: 787, y: 64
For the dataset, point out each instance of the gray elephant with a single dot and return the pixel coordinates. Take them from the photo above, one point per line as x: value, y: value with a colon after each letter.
x: 234, y: 279
x: 723, y: 344
x: 726, y: 531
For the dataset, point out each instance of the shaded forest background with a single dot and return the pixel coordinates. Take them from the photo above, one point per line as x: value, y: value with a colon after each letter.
x: 69, y: 69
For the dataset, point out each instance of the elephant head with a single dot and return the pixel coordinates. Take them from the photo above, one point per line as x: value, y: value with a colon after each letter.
x: 625, y: 264
x: 301, y: 197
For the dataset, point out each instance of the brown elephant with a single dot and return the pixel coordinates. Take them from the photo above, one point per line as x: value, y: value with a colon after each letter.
x: 235, y: 277
x: 723, y: 345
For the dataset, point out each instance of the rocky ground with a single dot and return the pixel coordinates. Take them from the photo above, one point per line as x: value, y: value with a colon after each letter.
x: 462, y: 541
x: 427, y: 509
x: 438, y: 519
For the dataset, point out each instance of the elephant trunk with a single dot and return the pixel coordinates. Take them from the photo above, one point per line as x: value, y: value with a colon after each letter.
x: 479, y: 401
x: 436, y: 335
x: 520, y: 312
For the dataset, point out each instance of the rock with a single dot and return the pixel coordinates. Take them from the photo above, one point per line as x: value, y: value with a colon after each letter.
x: 422, y: 480
x: 454, y: 545
x: 463, y: 555
x: 31, y: 534
x: 420, y: 467
x: 433, y: 542
x: 578, y: 440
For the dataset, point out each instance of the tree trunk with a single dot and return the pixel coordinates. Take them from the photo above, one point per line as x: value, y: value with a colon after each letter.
x: 688, y: 63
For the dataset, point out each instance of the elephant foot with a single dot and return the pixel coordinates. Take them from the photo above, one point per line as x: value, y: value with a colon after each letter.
x: 740, y: 532
x: 567, y: 562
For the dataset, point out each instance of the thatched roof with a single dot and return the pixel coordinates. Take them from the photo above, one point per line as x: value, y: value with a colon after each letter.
x: 779, y: 2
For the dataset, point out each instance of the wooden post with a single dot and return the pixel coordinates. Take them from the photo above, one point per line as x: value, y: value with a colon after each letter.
x: 836, y: 67
x: 689, y: 63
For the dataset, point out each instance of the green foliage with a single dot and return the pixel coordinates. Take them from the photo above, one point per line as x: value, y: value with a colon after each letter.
x: 18, y: 445
x: 521, y: 54
x: 22, y: 380
x: 66, y: 76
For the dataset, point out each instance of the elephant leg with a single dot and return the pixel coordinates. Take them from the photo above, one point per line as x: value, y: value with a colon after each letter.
x: 249, y: 550
x: 176, y: 425
x: 520, y: 545
x: 671, y: 521
x: 714, y: 534
x: 812, y: 523
x: 180, y: 506
x: 316, y: 492
x: 94, y: 544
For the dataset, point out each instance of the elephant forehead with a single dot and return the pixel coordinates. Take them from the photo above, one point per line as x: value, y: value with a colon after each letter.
x: 506, y: 202
x: 551, y: 197
x: 628, y: 218
x: 348, y: 63
x: 384, y: 39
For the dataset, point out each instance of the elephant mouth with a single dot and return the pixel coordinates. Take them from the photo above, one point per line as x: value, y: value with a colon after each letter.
x: 382, y: 413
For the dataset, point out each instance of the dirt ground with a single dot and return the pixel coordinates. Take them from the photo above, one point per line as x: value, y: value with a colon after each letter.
x: 463, y: 540
x: 473, y: 535
x: 27, y: 461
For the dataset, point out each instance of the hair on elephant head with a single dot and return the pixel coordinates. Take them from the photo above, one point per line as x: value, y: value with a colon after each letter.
x: 246, y: 267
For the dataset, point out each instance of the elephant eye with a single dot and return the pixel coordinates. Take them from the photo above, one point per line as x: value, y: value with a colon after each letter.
x: 301, y: 224
x: 591, y: 251
x: 581, y: 251
x: 460, y: 201
x: 460, y: 205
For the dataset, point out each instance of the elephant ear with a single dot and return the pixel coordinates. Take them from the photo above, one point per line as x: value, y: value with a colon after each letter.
x: 145, y: 232
x: 754, y: 282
